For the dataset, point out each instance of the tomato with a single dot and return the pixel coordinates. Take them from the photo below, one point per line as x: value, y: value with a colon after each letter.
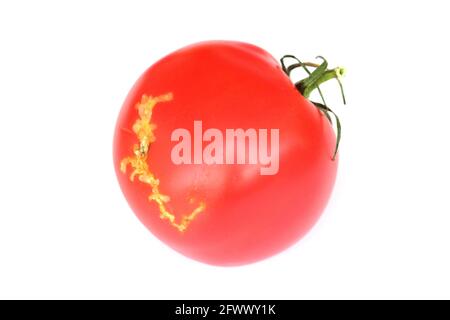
x: 216, y: 203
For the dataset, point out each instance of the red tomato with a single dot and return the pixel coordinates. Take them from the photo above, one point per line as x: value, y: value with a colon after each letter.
x: 223, y: 214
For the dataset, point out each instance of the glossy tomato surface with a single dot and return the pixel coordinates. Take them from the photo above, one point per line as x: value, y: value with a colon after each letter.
x: 244, y: 216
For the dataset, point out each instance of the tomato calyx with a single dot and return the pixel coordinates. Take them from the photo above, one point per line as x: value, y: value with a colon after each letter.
x: 315, y: 78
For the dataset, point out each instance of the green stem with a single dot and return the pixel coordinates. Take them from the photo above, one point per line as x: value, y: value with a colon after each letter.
x: 335, y: 73
x: 306, y: 86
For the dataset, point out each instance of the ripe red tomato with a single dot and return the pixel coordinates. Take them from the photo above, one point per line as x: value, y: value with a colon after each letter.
x: 223, y: 213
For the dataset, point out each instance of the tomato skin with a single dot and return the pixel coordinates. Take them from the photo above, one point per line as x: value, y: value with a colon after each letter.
x: 248, y: 216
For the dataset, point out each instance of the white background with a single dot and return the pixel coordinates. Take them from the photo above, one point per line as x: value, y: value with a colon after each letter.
x: 66, y: 230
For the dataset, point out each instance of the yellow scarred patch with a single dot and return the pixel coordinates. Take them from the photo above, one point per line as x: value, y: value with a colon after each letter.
x: 144, y: 130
